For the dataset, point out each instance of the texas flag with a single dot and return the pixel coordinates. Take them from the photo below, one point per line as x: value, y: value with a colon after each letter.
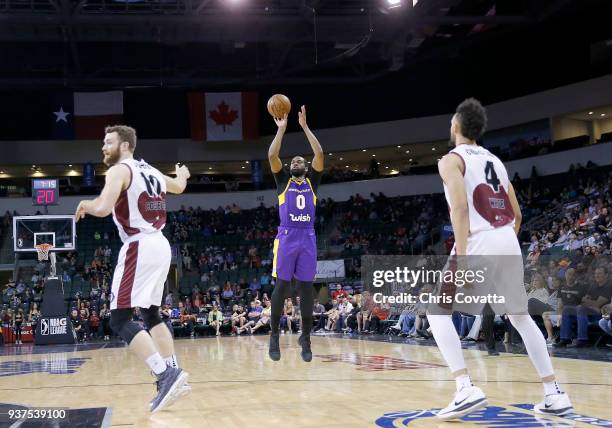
x: 223, y: 116
x: 83, y: 115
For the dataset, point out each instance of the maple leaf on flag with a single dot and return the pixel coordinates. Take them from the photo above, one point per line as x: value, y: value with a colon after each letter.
x: 223, y: 115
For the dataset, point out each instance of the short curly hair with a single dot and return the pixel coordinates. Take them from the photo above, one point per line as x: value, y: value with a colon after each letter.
x: 473, y: 119
x: 126, y: 134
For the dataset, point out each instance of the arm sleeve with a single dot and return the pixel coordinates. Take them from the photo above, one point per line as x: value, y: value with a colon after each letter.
x: 281, y: 178
x: 315, y: 179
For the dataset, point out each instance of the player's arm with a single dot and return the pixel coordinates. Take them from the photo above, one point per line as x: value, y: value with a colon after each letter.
x: 450, y: 171
x: 516, y: 208
x: 117, y: 179
x: 178, y: 184
x: 273, y: 152
x: 318, y: 160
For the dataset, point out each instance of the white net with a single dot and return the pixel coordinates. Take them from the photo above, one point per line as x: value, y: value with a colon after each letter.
x: 43, y: 251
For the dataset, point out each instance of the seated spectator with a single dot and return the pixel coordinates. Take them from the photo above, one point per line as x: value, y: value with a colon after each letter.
x: 351, y: 315
x: 264, y: 321
x: 318, y: 315
x: 238, y: 318
x: 252, y: 317
x: 288, y: 316
x: 215, y: 319
x: 366, y: 308
x: 605, y: 323
x: 332, y: 315
x: 596, y: 296
x: 537, y: 296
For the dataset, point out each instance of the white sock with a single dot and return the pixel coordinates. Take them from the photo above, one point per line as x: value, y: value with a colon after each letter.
x: 157, y: 363
x: 463, y: 381
x: 448, y: 341
x: 535, y: 344
x: 551, y: 388
x: 171, y: 361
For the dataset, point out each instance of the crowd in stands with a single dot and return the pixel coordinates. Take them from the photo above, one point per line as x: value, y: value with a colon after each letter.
x: 227, y: 255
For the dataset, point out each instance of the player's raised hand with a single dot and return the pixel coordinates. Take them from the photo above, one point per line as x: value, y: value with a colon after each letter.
x: 182, y: 171
x: 80, y: 211
x: 302, y: 117
x: 281, y: 122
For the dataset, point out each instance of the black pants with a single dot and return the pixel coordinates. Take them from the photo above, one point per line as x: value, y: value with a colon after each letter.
x: 488, y: 326
x: 537, y: 307
x: 374, y: 324
x: 17, y: 331
x: 321, y: 322
x: 106, y: 330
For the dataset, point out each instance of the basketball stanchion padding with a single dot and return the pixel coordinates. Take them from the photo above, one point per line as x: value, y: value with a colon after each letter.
x: 54, y: 326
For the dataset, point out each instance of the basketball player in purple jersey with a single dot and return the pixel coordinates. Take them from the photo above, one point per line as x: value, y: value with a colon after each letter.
x: 295, y: 246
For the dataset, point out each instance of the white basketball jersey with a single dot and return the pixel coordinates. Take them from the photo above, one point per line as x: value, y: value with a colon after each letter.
x: 141, y: 208
x: 486, y: 186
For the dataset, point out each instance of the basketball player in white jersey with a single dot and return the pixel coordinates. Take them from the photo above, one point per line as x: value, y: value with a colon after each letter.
x: 135, y: 193
x: 486, y: 216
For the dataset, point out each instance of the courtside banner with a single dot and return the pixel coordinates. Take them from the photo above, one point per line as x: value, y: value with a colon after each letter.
x: 330, y: 269
x: 508, y: 284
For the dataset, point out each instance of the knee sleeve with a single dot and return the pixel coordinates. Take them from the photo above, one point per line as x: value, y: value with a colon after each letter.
x: 151, y: 316
x: 122, y: 324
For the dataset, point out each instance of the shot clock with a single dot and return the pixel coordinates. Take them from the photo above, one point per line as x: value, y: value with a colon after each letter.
x: 45, y: 192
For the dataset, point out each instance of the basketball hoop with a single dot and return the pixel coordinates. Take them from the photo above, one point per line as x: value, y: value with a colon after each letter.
x: 43, y: 251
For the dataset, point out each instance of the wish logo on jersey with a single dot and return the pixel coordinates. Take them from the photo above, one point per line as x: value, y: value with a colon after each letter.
x: 300, y: 217
x: 494, y: 417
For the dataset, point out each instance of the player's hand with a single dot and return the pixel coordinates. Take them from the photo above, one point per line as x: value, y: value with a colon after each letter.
x: 281, y: 122
x: 182, y: 171
x: 302, y: 117
x: 80, y: 211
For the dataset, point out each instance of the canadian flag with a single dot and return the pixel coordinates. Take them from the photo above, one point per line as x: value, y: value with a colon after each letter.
x: 224, y: 116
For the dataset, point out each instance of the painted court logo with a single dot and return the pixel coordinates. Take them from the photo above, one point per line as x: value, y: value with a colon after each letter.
x: 495, y: 417
x: 374, y: 363
x: 55, y: 364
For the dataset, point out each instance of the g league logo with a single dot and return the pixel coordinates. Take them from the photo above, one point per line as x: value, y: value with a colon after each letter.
x: 52, y: 326
x: 44, y: 326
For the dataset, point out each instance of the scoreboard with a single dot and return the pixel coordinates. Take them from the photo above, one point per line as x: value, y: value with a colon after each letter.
x: 45, y: 192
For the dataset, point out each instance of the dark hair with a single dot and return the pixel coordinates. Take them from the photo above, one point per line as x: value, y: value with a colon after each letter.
x: 473, y: 119
x: 126, y: 133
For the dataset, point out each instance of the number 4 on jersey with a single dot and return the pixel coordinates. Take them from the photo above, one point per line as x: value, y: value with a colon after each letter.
x: 491, y: 176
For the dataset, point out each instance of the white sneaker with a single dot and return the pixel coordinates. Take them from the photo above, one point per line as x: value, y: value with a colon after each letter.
x: 466, y: 401
x: 555, y: 405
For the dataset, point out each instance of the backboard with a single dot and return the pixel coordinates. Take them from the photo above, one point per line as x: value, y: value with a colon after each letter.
x: 57, y: 230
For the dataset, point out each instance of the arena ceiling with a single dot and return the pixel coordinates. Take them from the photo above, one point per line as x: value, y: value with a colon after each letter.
x: 186, y: 43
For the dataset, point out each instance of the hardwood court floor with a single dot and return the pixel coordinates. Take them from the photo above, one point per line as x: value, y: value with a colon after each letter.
x: 349, y: 383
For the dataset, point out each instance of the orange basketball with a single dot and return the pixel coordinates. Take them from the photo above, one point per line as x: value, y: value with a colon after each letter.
x: 279, y: 105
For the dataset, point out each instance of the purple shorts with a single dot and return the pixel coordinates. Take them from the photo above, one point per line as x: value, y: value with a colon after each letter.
x: 295, y: 254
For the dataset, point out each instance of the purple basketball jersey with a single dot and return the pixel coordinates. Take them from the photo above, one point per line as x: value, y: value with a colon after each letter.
x: 297, y: 205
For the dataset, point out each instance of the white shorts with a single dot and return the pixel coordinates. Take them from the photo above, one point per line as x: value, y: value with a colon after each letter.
x: 497, y: 255
x: 141, y: 272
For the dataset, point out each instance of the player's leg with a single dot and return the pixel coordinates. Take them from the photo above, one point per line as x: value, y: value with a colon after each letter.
x: 556, y: 402
x: 306, y: 293
x: 169, y: 379
x: 283, y: 267
x: 508, y: 277
x: 468, y: 397
x: 162, y: 337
